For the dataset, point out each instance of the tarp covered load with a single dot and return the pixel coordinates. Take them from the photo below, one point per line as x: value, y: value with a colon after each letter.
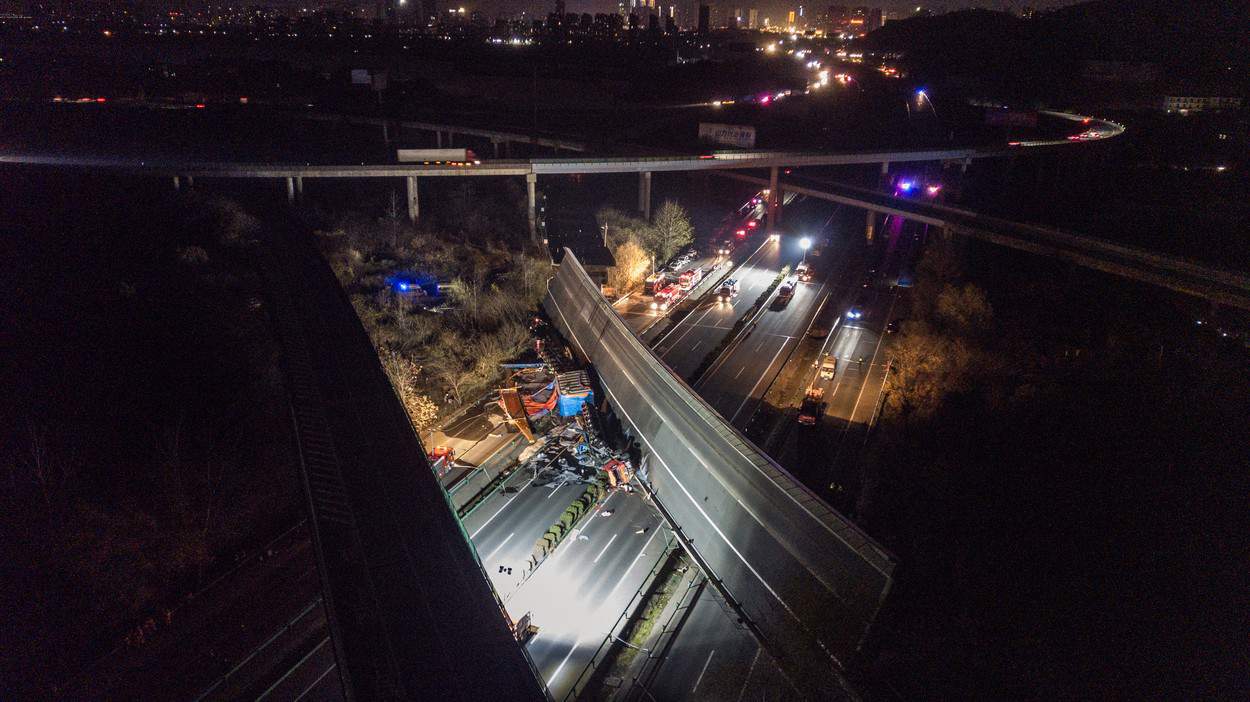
x: 542, y: 401
x: 574, y: 391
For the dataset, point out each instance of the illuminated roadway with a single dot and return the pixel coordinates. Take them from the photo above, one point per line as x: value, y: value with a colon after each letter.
x: 710, y: 646
x: 577, y: 594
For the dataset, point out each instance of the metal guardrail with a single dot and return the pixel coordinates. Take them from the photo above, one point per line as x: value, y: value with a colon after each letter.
x: 787, y: 551
x: 614, y: 631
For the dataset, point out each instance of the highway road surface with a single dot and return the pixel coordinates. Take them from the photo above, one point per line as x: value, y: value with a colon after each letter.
x: 712, y: 657
x: 737, y: 381
x: 578, y: 594
x: 636, y: 310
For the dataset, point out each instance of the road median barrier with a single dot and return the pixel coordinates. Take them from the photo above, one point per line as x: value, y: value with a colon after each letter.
x: 555, y: 534
x: 734, y: 332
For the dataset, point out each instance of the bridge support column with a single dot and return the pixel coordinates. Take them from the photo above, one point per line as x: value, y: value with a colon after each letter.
x: 177, y: 183
x: 771, y: 211
x: 644, y: 194
x: 299, y: 187
x: 438, y: 139
x: 190, y: 181
x: 414, y: 203
x: 869, y: 225
x: 290, y: 190
x: 495, y: 145
x: 885, y: 174
x: 531, y: 198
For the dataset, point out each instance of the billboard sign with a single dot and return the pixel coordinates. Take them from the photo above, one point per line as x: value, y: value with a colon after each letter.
x: 741, y: 136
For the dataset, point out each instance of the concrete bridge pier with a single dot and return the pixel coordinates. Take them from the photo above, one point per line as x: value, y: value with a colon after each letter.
x: 438, y: 139
x: 190, y: 181
x: 644, y: 194
x: 299, y: 187
x: 870, y: 219
x: 494, y: 143
x: 772, y: 201
x: 414, y: 202
x: 531, y: 199
x: 290, y: 190
x: 177, y: 183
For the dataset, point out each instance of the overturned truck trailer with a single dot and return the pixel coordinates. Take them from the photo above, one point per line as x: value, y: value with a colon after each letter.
x: 810, y: 582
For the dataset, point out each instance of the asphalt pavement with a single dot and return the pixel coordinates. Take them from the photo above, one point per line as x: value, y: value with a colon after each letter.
x: 715, y: 658
x: 578, y: 594
x: 712, y: 657
x: 737, y: 381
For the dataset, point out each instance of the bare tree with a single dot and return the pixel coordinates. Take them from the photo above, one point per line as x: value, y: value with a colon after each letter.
x: 448, y: 366
x: 467, y: 292
x: 632, y: 265
x: 671, y: 230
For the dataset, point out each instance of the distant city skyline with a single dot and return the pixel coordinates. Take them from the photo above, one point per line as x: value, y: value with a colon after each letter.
x: 775, y: 9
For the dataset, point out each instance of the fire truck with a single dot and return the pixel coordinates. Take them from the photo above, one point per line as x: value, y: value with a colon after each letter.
x: 690, y: 278
x: 666, y: 297
x: 441, y: 459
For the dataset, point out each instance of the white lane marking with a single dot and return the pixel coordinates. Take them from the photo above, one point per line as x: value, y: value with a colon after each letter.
x: 605, y: 548
x: 702, y: 672
x: 316, y: 682
x: 696, y: 345
x: 750, y: 670
x: 596, y: 513
x: 296, y: 667
x: 706, y: 312
x: 496, y: 514
x: 616, y: 403
x: 757, y: 383
x: 501, y: 545
x: 739, y: 372
x: 556, y: 673
x: 872, y: 361
x: 577, y: 642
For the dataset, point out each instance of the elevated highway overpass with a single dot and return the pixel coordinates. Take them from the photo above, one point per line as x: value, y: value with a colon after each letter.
x: 804, y: 579
x: 1173, y: 272
x: 295, y: 173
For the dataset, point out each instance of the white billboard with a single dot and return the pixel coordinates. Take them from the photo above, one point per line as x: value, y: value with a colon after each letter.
x: 741, y: 136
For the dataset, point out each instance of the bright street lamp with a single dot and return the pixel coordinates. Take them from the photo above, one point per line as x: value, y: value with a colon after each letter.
x: 805, y: 243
